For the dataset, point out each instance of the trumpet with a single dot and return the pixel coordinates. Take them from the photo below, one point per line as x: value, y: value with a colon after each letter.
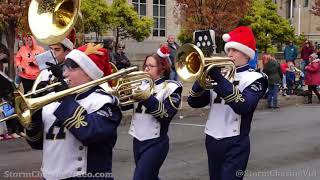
x: 25, y: 107
x: 191, y: 65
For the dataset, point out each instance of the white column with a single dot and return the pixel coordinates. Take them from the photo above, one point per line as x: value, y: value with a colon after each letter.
x: 299, y: 20
x: 291, y: 11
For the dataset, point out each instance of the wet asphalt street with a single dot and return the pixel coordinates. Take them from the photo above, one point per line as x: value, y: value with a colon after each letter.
x: 285, y: 145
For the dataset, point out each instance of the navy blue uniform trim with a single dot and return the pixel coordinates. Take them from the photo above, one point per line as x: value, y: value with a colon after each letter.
x: 198, y: 97
x: 89, y: 128
x: 164, y: 110
x: 35, y: 132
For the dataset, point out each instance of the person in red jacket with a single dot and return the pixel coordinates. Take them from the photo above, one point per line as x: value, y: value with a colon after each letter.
x: 26, y: 63
x: 313, y: 76
x: 284, y: 67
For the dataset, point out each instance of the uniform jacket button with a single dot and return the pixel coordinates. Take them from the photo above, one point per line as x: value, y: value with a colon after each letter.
x: 79, y: 169
x: 80, y: 148
x: 234, y: 130
x: 79, y: 158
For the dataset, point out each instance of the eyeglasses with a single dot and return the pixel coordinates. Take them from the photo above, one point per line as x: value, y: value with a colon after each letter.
x: 120, y: 47
x: 149, y: 66
x: 70, y: 64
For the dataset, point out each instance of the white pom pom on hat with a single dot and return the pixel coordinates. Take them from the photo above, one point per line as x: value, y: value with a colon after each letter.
x: 226, y: 37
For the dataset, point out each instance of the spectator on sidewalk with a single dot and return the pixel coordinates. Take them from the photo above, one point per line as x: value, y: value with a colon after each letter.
x: 4, y: 55
x: 173, y: 46
x: 120, y: 57
x: 253, y: 63
x: 290, y: 77
x: 26, y: 63
x: 108, y: 43
x: 284, y: 67
x: 273, y: 70
x: 313, y: 76
x: 3, y: 127
x: 306, y: 51
x: 290, y: 52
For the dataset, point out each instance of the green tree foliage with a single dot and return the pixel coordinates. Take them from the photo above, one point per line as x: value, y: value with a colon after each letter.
x: 96, y: 16
x: 126, y: 22
x: 269, y: 28
x: 121, y: 17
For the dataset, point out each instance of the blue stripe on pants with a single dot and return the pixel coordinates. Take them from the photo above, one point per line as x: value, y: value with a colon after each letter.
x: 228, y: 156
x: 149, y: 156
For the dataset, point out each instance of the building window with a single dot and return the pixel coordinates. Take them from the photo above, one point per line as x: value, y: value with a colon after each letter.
x: 140, y: 6
x: 306, y: 3
x: 159, y: 18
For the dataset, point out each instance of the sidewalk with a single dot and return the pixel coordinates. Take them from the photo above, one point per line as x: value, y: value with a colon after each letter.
x: 186, y: 110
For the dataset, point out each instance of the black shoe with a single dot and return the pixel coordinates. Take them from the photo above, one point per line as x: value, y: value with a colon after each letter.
x: 276, y: 107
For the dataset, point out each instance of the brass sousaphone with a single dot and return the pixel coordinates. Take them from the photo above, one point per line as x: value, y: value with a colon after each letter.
x: 191, y: 65
x: 51, y: 21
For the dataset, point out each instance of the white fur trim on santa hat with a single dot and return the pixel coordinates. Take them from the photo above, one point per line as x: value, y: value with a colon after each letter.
x: 67, y: 43
x: 161, y: 54
x: 226, y: 37
x: 86, y: 64
x: 243, y: 48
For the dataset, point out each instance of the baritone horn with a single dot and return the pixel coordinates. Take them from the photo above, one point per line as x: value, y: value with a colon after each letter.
x: 51, y: 21
x: 191, y: 65
x: 128, y: 86
x: 26, y: 106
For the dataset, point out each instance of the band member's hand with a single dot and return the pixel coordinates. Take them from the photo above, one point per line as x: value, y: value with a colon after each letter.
x: 141, y: 95
x: 215, y: 73
x: 55, y: 69
x: 61, y: 87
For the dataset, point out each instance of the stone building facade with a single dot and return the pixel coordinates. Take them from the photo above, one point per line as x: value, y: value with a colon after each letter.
x: 303, y: 21
x: 162, y: 12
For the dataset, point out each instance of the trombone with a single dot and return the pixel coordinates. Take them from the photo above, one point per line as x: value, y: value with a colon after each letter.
x: 191, y: 65
x: 25, y: 107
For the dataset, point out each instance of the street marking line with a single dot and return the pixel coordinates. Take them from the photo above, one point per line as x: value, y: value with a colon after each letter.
x: 186, y: 124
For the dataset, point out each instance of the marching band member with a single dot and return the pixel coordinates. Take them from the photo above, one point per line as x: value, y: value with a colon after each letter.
x: 78, y: 133
x: 232, y: 107
x: 152, y: 116
x: 60, y: 50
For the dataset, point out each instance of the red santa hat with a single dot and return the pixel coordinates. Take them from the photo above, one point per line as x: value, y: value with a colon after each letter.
x: 164, y: 52
x: 242, y: 39
x: 93, y: 59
